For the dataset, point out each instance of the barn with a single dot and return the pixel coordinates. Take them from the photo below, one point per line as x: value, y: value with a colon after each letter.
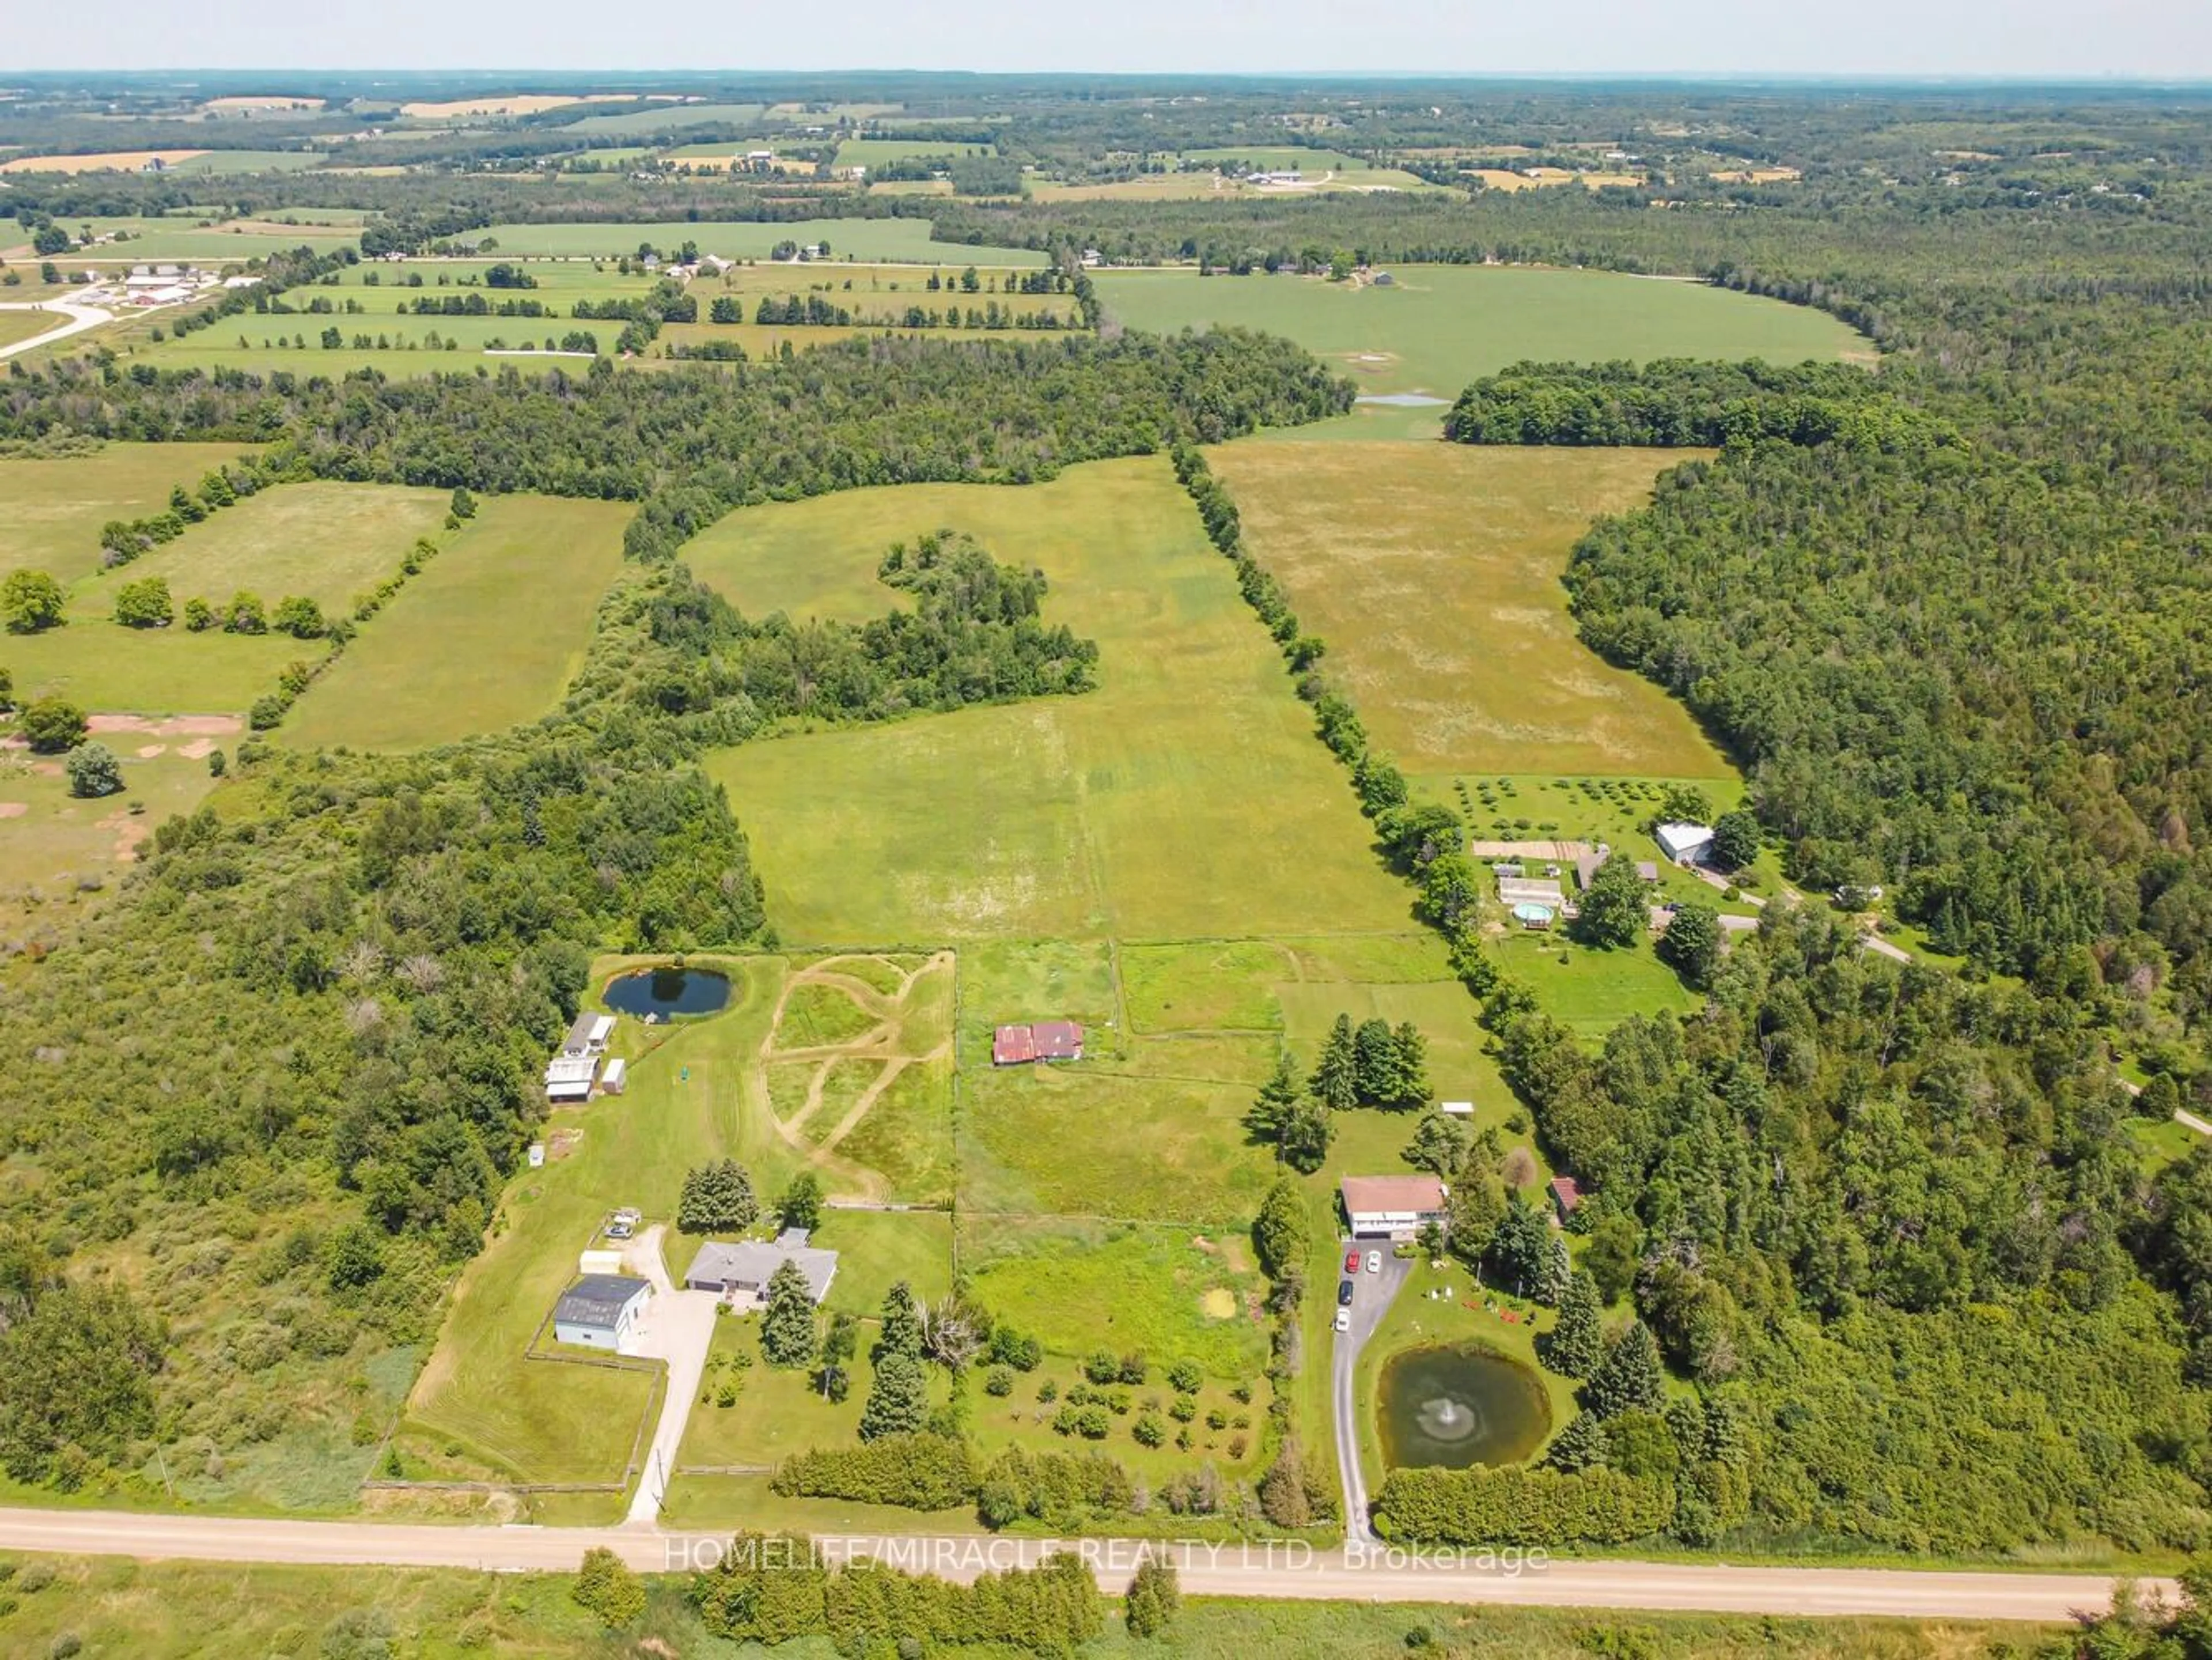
x: 601, y: 1310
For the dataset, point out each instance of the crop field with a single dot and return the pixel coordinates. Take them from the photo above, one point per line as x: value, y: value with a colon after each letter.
x: 103, y: 161
x: 185, y: 239
x: 669, y: 117
x: 875, y: 152
x: 485, y: 637
x: 902, y: 241
x: 1438, y: 327
x: 1433, y: 572
x: 230, y: 161
x: 1047, y: 814
x: 55, y: 508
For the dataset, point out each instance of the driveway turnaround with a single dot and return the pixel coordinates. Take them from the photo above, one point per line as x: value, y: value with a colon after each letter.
x: 1371, y: 1297
x: 79, y: 318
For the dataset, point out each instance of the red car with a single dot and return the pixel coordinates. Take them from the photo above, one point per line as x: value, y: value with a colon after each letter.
x: 1351, y: 1262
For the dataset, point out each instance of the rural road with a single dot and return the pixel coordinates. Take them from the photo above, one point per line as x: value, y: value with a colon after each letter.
x: 1289, y: 1570
x: 1371, y: 1295
x: 80, y: 318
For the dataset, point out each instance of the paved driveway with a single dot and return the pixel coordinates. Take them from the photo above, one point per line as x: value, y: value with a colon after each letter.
x: 1371, y: 1297
x: 678, y: 1327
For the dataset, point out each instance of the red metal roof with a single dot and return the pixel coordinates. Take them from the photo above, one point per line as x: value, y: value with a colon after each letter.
x: 1567, y: 1192
x: 1012, y: 1045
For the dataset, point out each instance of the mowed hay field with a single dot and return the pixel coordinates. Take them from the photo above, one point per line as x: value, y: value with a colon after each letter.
x: 1432, y: 571
x: 1437, y: 327
x: 484, y: 638
x: 50, y: 512
x: 327, y: 541
x: 907, y: 240
x: 1186, y: 795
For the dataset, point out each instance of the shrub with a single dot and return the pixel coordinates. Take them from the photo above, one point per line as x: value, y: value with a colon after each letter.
x: 607, y: 1586
x: 1185, y: 1376
x: 1521, y: 1507
x: 92, y: 771
x: 1102, y: 1367
x: 1148, y: 1430
x: 919, y: 1471
x: 51, y: 724
x: 999, y: 1380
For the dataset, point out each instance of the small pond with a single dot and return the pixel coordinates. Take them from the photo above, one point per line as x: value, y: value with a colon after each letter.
x: 662, y: 992
x: 1458, y: 1407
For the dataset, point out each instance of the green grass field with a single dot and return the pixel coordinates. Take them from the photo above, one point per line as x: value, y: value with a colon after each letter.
x: 235, y: 161
x: 58, y: 851
x: 664, y: 118
x: 872, y: 153
x: 186, y: 239
x: 54, y: 510
x: 1046, y: 818
x: 169, y: 1611
x: 485, y: 637
x: 1432, y: 570
x: 902, y: 241
x: 1438, y: 327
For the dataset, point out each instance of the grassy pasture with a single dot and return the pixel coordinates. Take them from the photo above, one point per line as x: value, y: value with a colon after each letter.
x: 208, y: 242
x: 327, y: 541
x: 234, y: 162
x: 54, y: 510
x: 485, y: 637
x: 668, y: 118
x: 1048, y: 817
x: 331, y: 542
x: 1433, y: 572
x: 59, y: 850
x: 876, y: 152
x: 17, y: 325
x: 900, y: 241
x: 1437, y: 327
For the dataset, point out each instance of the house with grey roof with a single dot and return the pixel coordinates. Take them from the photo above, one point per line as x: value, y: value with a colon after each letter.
x: 740, y: 1272
x: 601, y: 1310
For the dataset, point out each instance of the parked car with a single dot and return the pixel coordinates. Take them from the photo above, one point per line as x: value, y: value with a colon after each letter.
x: 1343, y: 1293
x: 1375, y: 1262
x: 1343, y: 1319
x: 1351, y: 1260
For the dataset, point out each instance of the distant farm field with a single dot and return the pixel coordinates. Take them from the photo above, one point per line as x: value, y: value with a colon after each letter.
x: 105, y: 161
x: 1132, y: 810
x: 52, y: 510
x: 876, y: 152
x: 1432, y: 571
x: 908, y: 240
x: 666, y: 117
x: 485, y: 637
x: 1437, y: 327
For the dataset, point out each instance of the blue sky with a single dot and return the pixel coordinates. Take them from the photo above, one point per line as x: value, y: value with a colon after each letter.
x: 2160, y: 39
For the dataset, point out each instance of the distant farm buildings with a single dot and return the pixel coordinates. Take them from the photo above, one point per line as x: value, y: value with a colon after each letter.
x: 571, y: 1075
x: 1041, y: 1040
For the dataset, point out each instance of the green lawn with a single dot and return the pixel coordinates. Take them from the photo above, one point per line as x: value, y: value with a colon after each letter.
x: 1168, y: 1291
x: 907, y: 240
x: 1432, y: 570
x: 486, y: 636
x: 1438, y: 327
x: 54, y: 510
x: 101, y: 665
x: 1593, y: 991
x: 1185, y: 796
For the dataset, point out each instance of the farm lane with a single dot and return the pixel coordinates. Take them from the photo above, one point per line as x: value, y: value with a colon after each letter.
x: 678, y: 1327
x: 1369, y: 1574
x: 80, y: 317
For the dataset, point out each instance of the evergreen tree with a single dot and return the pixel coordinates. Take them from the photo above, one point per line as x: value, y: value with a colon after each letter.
x: 1521, y: 1248
x: 1629, y: 1378
x: 1155, y: 1594
x: 1557, y: 1274
x: 1307, y: 1135
x: 1335, y: 1081
x: 902, y: 1324
x: 1280, y: 1232
x: 1580, y: 1446
x: 787, y: 1336
x: 1473, y: 1211
x: 1278, y: 1097
x: 717, y: 1198
x: 1439, y: 1145
x: 1575, y: 1345
x: 1374, y: 1061
x: 1411, y: 1079
x: 898, y: 1401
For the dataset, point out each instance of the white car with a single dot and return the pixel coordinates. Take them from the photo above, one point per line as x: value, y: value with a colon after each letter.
x: 1343, y: 1319
x: 1375, y: 1262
